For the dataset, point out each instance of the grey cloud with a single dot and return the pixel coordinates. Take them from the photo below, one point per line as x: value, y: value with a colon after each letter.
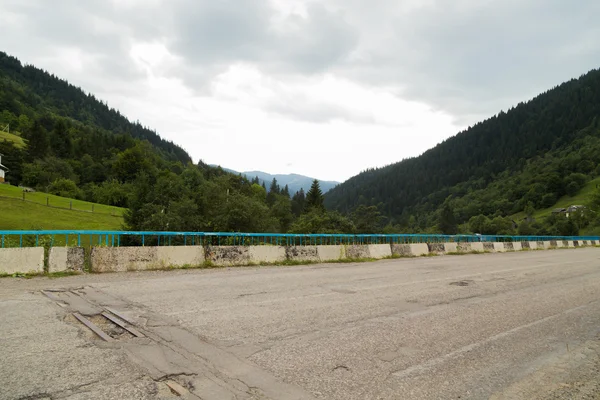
x: 71, y: 24
x: 472, y: 58
x: 210, y: 36
x: 302, y: 109
x: 467, y: 57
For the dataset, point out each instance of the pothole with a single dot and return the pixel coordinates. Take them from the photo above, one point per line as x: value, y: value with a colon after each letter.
x: 111, y: 329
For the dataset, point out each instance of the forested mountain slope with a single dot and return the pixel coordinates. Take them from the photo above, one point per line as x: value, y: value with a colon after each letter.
x: 540, y: 143
x: 27, y: 90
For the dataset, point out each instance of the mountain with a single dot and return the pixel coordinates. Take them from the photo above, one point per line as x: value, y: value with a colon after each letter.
x: 27, y: 90
x: 294, y: 182
x: 66, y: 142
x: 527, y: 157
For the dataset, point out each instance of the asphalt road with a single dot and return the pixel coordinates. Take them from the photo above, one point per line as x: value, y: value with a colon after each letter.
x: 520, y: 325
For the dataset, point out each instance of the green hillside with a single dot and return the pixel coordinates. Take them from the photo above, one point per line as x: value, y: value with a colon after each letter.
x: 23, y: 215
x: 53, y: 201
x: 583, y: 197
x: 17, y: 140
x: 517, y: 161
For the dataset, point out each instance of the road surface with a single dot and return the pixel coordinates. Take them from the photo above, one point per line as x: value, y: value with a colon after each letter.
x: 520, y: 325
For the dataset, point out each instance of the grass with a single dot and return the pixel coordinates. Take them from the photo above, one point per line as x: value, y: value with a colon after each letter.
x: 583, y: 197
x: 58, y: 202
x: 15, y: 138
x: 22, y: 215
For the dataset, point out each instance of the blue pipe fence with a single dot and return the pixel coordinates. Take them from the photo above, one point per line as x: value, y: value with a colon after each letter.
x: 89, y: 238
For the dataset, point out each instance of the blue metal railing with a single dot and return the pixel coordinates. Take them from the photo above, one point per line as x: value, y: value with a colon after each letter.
x: 144, y: 238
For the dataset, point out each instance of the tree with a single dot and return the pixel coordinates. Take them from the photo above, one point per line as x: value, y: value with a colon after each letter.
x: 367, y: 219
x: 65, y: 188
x: 273, y: 193
x: 319, y: 221
x: 281, y: 211
x: 298, y: 202
x: 41, y: 173
x: 447, y: 221
x: 112, y: 192
x: 38, y: 142
x: 314, y: 198
x: 526, y: 229
x: 61, y: 141
x: 133, y: 161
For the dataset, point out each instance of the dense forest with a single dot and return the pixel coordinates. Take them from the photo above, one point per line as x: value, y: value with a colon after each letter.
x: 517, y: 161
x: 78, y: 147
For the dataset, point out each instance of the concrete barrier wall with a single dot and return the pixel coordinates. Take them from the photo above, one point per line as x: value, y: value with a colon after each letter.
x: 226, y: 256
x: 61, y: 259
x: 302, y: 253
x: 120, y: 259
x: 509, y: 246
x: 267, y: 254
x: 117, y: 259
x: 379, y: 251
x: 499, y: 247
x: 464, y: 247
x: 478, y: 247
x: 450, y: 248
x: 178, y: 256
x: 410, y: 250
x: 357, y: 251
x: 331, y: 253
x: 22, y: 260
x: 437, y: 248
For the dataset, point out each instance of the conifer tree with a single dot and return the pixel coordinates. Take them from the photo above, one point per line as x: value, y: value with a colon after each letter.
x: 314, y: 197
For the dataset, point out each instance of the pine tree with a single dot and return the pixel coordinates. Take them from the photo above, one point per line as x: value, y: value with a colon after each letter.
x: 298, y: 202
x: 314, y: 197
x: 38, y: 140
x: 274, y: 188
x: 447, y: 222
x: 273, y: 193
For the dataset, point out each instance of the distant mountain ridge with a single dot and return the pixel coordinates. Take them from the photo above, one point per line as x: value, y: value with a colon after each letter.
x: 295, y: 182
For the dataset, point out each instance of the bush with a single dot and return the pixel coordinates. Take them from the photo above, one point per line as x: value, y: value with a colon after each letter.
x: 65, y: 188
x: 572, y: 188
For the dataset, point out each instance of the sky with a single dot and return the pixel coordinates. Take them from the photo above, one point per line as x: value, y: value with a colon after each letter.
x: 324, y: 88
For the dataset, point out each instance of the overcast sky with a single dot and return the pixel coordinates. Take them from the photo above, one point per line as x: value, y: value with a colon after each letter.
x: 325, y: 88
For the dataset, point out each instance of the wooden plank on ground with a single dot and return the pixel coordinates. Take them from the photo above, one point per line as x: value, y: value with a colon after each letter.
x: 122, y: 324
x: 93, y: 327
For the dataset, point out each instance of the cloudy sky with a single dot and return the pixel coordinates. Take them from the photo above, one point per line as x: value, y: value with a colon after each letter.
x: 325, y: 88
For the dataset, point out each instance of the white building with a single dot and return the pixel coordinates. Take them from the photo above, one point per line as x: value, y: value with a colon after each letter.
x: 3, y: 170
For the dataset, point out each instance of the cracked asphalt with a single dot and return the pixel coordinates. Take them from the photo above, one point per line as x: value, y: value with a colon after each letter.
x: 520, y: 325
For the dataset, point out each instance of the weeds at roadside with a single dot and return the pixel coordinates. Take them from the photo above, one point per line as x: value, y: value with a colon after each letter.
x: 62, y: 274
x: 21, y: 275
x: 464, y: 253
